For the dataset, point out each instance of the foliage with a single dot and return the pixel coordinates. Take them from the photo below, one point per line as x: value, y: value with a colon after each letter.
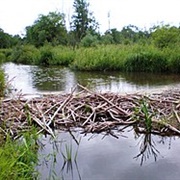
x: 148, y: 60
x: 46, y: 55
x: 100, y: 58
x: 166, y: 36
x: 107, y: 39
x: 2, y: 83
x: 89, y: 40
x: 18, y: 158
x: 47, y: 29
x: 2, y: 57
x: 62, y: 55
x: 82, y: 20
x: 173, y: 55
x: 5, y: 55
x: 25, y: 54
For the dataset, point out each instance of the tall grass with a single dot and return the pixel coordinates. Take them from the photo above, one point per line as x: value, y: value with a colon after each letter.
x: 2, y: 83
x: 173, y: 55
x: 146, y: 59
x: 18, y: 158
x: 100, y: 58
x: 63, y: 55
x: 133, y: 57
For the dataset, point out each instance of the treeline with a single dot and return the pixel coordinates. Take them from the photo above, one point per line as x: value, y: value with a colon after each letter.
x: 83, y: 47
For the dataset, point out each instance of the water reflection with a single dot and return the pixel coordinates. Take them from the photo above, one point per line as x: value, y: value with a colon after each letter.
x: 95, y: 157
x: 33, y: 79
x: 147, y: 148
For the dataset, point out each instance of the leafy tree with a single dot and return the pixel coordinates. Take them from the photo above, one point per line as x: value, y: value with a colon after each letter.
x: 82, y: 20
x: 89, y: 40
x: 6, y: 40
x: 47, y: 29
x: 166, y: 36
x: 107, y: 38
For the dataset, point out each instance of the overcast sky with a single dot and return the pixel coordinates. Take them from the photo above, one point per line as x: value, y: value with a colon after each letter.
x: 15, y: 15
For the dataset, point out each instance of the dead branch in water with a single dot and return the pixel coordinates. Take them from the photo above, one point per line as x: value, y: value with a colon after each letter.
x: 93, y: 112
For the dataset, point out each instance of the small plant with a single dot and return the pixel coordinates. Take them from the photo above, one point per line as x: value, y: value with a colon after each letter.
x: 144, y: 115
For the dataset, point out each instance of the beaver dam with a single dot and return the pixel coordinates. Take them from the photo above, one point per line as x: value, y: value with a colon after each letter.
x: 93, y: 112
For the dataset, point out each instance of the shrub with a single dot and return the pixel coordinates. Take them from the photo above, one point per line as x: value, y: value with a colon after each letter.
x: 62, y: 56
x: 89, y: 41
x: 100, y: 58
x: 2, y: 57
x: 46, y: 56
x: 146, y: 61
x: 25, y: 54
x: 174, y: 60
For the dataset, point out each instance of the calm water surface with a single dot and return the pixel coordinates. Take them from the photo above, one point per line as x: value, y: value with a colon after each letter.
x: 108, y: 158
x: 33, y: 79
x: 99, y: 157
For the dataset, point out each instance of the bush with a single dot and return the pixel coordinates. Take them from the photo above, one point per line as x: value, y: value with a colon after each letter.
x: 150, y: 60
x: 89, y: 41
x: 2, y: 57
x: 62, y: 56
x: 100, y: 58
x: 174, y: 59
x: 26, y: 54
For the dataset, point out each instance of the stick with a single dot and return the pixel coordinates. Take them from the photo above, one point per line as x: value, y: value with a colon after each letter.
x: 120, y: 109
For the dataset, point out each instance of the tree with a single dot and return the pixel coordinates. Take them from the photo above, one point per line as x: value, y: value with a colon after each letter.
x: 166, y: 36
x: 82, y: 20
x: 47, y: 29
x: 6, y: 40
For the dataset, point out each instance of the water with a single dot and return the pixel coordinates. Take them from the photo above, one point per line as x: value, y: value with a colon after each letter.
x: 106, y: 158
x: 99, y: 157
x: 34, y: 80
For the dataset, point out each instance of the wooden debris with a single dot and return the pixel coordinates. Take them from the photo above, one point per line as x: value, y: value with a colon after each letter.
x: 92, y: 111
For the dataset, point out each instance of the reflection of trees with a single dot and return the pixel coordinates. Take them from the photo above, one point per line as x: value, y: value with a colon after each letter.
x: 150, y: 78
x: 147, y: 148
x: 53, y: 78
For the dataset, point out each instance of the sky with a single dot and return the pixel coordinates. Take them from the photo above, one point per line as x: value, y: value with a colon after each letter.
x: 15, y: 15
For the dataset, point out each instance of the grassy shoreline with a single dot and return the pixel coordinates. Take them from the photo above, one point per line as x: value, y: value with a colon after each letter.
x: 128, y: 58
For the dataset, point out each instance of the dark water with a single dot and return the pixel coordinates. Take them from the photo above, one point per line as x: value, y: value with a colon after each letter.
x: 99, y: 157
x: 108, y: 158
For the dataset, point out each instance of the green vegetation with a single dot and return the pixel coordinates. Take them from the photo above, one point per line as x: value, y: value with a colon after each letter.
x: 48, y: 42
x: 18, y: 158
x: 2, y: 83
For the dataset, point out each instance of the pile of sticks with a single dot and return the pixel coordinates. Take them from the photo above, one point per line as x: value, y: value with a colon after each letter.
x: 93, y: 112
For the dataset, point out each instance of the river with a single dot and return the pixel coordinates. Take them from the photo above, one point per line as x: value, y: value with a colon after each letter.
x: 98, y: 156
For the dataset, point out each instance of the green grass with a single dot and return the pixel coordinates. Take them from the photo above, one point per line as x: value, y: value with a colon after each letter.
x: 2, y: 83
x: 129, y: 58
x: 18, y: 158
x: 100, y: 58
